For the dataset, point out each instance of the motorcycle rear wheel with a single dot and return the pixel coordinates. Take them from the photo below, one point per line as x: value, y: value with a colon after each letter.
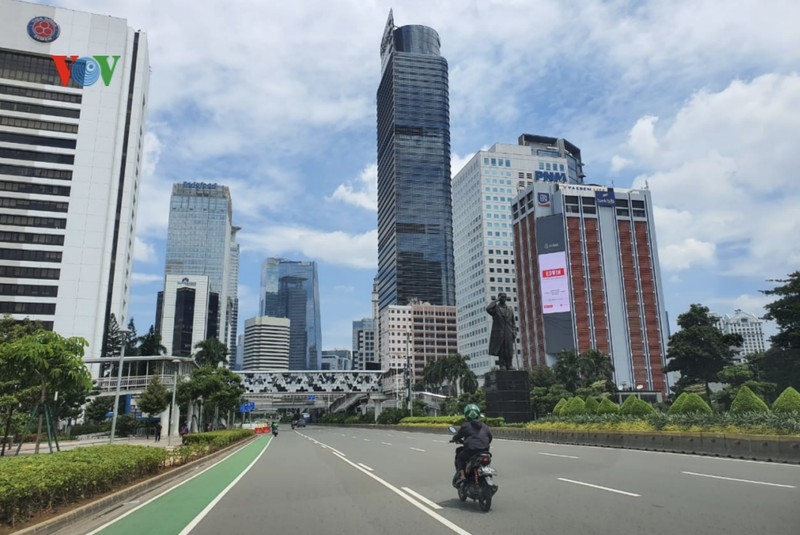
x: 462, y: 492
x: 485, y: 499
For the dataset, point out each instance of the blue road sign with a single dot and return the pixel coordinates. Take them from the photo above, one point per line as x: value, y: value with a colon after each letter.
x: 312, y: 397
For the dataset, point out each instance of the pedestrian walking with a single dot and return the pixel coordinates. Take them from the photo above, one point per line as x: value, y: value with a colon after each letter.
x: 158, y: 431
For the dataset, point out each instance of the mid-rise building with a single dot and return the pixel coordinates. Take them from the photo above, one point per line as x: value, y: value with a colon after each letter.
x: 483, y: 236
x: 364, y: 351
x: 415, y: 235
x: 290, y: 289
x: 749, y: 326
x: 266, y: 344
x: 201, y: 241
x: 73, y: 93
x: 187, y: 312
x: 588, y: 277
x: 337, y: 359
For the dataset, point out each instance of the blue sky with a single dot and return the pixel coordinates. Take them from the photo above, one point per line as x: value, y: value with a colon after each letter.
x: 698, y: 99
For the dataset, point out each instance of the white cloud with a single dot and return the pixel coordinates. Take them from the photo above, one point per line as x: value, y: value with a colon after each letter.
x: 146, y: 278
x: 364, y: 193
x: 686, y: 254
x: 142, y: 251
x: 336, y: 247
x: 642, y: 139
x: 618, y: 163
x: 458, y: 162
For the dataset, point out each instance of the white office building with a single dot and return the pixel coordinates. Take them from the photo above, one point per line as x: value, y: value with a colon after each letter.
x: 748, y: 326
x: 186, y: 313
x: 266, y: 343
x: 483, y: 237
x: 73, y: 90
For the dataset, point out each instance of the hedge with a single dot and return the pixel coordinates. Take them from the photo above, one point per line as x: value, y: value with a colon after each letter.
x: 573, y: 407
x: 677, y: 405
x: 591, y: 405
x: 747, y: 401
x: 787, y: 402
x: 693, y: 404
x: 607, y: 407
x: 559, y: 406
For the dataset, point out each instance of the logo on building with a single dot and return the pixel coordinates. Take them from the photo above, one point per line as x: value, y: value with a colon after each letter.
x: 543, y: 199
x: 550, y: 176
x: 43, y: 29
x: 85, y: 70
x: 186, y: 282
x: 605, y: 198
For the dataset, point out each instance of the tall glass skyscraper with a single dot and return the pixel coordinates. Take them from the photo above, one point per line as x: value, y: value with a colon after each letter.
x: 415, y: 233
x: 290, y: 289
x: 201, y: 240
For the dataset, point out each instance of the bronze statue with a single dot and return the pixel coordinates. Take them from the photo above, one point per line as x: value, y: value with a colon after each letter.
x: 504, y: 331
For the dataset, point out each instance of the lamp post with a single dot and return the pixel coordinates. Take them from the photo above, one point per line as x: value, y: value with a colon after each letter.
x: 408, y: 372
x: 124, y: 334
x: 172, y: 407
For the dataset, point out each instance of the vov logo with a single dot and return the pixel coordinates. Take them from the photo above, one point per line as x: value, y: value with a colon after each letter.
x: 85, y: 70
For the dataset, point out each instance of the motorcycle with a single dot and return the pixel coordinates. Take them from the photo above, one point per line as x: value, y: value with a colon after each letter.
x: 479, y: 485
x: 274, y: 431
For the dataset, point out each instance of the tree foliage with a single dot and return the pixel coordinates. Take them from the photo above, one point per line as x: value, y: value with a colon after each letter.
x: 451, y: 370
x: 588, y: 373
x: 155, y: 398
x: 211, y: 352
x: 747, y: 401
x: 607, y: 407
x: 150, y: 343
x: 788, y: 401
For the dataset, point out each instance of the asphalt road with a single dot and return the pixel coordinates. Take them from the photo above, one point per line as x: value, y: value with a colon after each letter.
x: 343, y: 480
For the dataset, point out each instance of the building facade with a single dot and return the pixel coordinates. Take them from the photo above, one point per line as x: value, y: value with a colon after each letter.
x: 200, y: 241
x: 364, y: 347
x: 483, y: 237
x: 415, y: 237
x: 748, y: 326
x: 290, y: 289
x: 71, y: 137
x: 588, y: 278
x: 337, y: 360
x: 233, y: 292
x: 187, y: 313
x: 266, y: 344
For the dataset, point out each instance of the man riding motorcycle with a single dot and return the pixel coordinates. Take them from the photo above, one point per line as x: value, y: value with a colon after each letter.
x: 474, y: 435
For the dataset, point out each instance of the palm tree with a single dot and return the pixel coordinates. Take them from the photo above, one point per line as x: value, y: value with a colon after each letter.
x: 596, y: 366
x: 150, y: 343
x: 211, y: 352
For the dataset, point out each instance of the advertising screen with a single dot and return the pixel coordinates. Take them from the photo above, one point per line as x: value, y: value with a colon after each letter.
x: 555, y: 286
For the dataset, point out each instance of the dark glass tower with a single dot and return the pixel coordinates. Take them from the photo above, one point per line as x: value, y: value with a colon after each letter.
x: 415, y: 229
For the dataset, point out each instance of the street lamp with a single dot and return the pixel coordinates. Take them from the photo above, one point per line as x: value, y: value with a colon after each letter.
x: 172, y: 407
x: 408, y: 372
x: 124, y: 334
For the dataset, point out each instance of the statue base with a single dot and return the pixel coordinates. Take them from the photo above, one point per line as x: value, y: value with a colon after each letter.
x: 508, y: 395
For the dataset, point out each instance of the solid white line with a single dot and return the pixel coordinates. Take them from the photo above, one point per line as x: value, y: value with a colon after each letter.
x: 104, y: 526
x: 557, y: 455
x: 599, y: 487
x: 386, y: 443
x: 422, y: 498
x: 362, y: 465
x: 442, y: 520
x: 417, y: 449
x: 740, y: 480
x: 215, y: 501
x: 366, y: 440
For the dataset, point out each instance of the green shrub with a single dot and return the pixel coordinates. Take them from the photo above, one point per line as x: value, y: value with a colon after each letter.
x: 676, y: 406
x: 633, y: 406
x: 591, y: 405
x: 788, y: 401
x: 607, y: 407
x: 747, y: 401
x: 694, y: 404
x: 574, y: 407
x: 559, y: 406
x: 392, y: 416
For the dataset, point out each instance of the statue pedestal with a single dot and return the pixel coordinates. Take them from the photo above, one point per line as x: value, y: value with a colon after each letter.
x: 508, y: 394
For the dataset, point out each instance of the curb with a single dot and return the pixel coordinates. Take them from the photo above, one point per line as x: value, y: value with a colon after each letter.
x: 54, y: 524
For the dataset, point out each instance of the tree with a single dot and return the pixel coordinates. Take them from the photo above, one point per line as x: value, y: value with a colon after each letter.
x: 219, y: 389
x: 113, y: 338
x: 747, y: 401
x: 98, y: 408
x: 53, y: 362
x: 211, y: 352
x: 150, y: 343
x: 734, y: 376
x: 568, y: 369
x: 596, y: 367
x: 16, y: 388
x: 155, y: 398
x: 781, y: 363
x: 699, y: 350
x: 131, y: 343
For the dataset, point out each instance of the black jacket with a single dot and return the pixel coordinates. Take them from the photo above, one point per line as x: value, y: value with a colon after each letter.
x: 475, y: 435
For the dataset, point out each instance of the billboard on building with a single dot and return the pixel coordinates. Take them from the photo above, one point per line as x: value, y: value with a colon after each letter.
x: 555, y: 285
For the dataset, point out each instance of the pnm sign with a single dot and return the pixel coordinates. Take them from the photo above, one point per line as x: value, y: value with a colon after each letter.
x: 550, y: 176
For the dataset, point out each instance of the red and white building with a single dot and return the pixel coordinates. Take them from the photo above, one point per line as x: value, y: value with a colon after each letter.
x: 588, y: 277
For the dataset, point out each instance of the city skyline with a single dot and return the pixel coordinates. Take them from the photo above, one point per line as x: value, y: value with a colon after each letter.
x: 682, y: 96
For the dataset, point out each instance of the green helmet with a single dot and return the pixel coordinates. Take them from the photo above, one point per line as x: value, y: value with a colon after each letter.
x: 472, y: 412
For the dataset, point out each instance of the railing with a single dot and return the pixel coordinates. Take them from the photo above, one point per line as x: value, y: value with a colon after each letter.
x: 137, y: 382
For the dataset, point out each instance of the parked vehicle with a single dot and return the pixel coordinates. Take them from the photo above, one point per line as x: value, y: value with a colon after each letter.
x: 479, y: 483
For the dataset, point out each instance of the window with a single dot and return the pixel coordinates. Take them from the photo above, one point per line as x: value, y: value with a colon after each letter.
x: 35, y: 156
x: 29, y: 290
x: 29, y: 255
x: 22, y: 272
x: 28, y: 308
x: 38, y: 109
x: 26, y: 139
x: 35, y: 124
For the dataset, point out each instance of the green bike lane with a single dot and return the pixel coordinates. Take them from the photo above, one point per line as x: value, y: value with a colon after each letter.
x: 172, y: 511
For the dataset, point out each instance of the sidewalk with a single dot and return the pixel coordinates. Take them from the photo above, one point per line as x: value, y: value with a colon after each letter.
x: 64, y: 445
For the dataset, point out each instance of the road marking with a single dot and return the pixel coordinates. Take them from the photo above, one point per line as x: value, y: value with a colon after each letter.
x: 422, y: 498
x: 740, y: 480
x: 417, y: 449
x: 441, y: 441
x: 366, y: 440
x: 154, y: 498
x: 344, y: 435
x: 362, y: 465
x: 386, y: 443
x: 599, y: 487
x: 439, y: 518
x: 557, y: 455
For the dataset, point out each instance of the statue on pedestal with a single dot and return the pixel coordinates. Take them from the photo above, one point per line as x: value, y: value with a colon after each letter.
x: 504, y: 331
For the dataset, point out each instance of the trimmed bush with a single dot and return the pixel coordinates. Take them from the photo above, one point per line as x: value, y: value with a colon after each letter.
x: 591, y: 405
x: 607, y: 407
x: 693, y: 404
x: 559, y: 406
x: 747, y: 401
x: 634, y: 406
x: 574, y: 407
x: 676, y: 406
x: 788, y: 401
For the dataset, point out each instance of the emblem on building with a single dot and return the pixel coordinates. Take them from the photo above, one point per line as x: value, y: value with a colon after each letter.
x: 43, y: 29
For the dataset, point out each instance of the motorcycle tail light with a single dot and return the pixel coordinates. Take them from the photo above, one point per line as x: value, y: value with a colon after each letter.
x: 486, y: 460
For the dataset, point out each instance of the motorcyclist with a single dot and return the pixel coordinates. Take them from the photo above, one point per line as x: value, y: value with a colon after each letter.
x: 474, y: 435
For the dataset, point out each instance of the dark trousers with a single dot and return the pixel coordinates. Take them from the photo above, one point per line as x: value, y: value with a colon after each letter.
x: 463, y: 455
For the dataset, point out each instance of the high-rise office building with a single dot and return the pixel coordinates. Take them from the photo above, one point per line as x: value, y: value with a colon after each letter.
x: 73, y: 90
x: 233, y: 294
x: 201, y: 241
x: 588, y: 277
x: 748, y: 326
x: 364, y: 350
x: 187, y: 312
x: 266, y: 344
x: 415, y: 237
x: 483, y: 237
x: 290, y: 289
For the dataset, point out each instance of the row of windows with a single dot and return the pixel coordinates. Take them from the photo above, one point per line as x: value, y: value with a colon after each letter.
x: 34, y: 172
x: 28, y: 308
x: 34, y: 156
x: 24, y: 272
x: 30, y: 237
x: 39, y: 93
x: 29, y: 187
x: 29, y: 221
x: 38, y: 109
x: 30, y: 68
x: 29, y: 255
x: 36, y: 124
x: 27, y: 139
x: 29, y: 290
x: 496, y: 162
x: 33, y: 204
